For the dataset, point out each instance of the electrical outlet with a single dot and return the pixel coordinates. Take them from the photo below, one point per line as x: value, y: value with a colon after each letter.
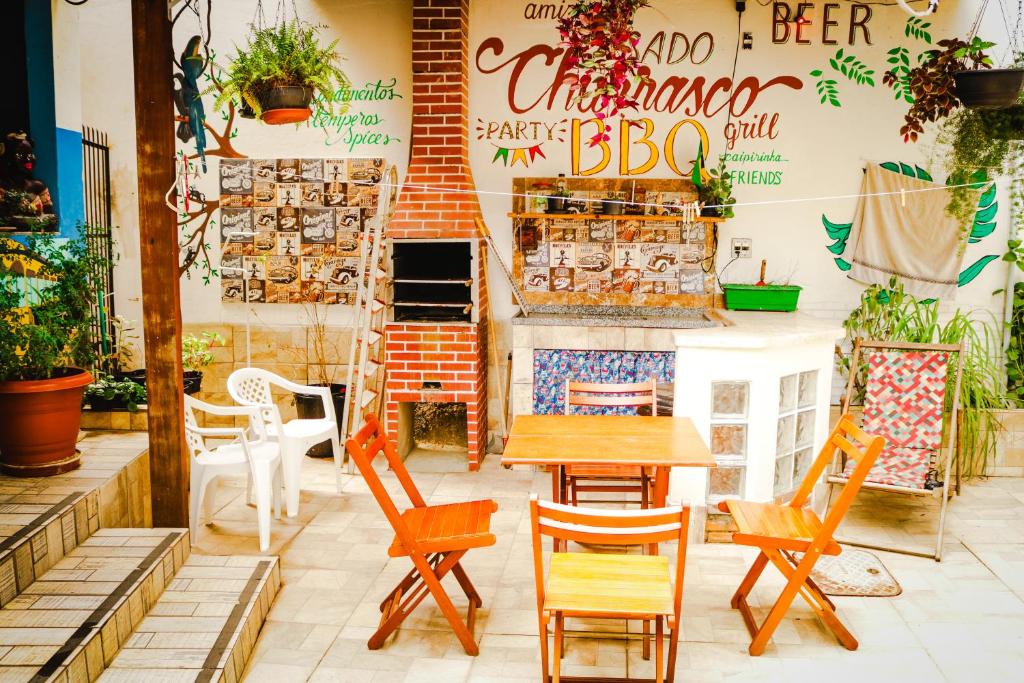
x: 741, y: 247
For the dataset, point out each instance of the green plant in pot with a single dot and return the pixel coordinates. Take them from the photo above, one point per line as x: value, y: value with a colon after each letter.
x: 110, y: 393
x: 611, y: 205
x: 45, y: 342
x: 196, y: 354
x: 280, y: 71
x: 320, y: 349
x: 981, y: 86
x: 716, y: 192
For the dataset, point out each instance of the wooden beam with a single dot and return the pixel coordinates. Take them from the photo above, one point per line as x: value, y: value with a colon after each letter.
x: 158, y: 235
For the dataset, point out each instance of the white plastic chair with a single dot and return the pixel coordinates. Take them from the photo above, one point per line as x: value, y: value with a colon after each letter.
x: 250, y: 452
x: 251, y: 387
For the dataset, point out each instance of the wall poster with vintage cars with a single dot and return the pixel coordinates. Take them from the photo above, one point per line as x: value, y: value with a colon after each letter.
x: 651, y: 251
x: 291, y: 228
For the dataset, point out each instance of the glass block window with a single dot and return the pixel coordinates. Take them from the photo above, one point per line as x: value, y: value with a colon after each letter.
x: 794, y: 436
x: 729, y: 416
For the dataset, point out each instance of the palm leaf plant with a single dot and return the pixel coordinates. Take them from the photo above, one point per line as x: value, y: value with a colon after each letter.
x: 287, y: 55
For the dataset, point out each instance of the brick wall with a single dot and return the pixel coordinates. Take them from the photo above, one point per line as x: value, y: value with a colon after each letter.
x: 439, y: 154
x: 449, y: 354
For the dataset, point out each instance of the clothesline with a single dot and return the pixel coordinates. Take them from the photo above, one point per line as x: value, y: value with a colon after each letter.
x: 764, y: 202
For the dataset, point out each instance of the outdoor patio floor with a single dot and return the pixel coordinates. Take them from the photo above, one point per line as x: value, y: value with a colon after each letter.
x: 958, y: 620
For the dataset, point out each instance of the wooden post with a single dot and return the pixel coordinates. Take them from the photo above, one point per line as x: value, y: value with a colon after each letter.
x: 158, y: 235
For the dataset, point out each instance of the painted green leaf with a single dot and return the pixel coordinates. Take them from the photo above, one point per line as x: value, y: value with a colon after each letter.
x: 973, y: 270
x: 816, y: 73
x: 836, y: 230
x: 843, y: 265
x: 905, y: 169
x: 986, y: 214
x: 923, y: 174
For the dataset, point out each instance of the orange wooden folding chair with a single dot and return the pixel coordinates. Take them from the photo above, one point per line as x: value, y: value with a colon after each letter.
x: 609, y: 585
x: 779, y: 531
x: 434, y: 537
x: 609, y: 478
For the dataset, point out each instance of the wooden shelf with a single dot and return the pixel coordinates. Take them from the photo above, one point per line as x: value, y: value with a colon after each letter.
x: 620, y: 217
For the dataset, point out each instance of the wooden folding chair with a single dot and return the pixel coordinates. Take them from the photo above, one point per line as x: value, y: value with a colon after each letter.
x: 779, y: 531
x: 597, y: 478
x: 609, y: 585
x: 906, y: 390
x: 434, y: 537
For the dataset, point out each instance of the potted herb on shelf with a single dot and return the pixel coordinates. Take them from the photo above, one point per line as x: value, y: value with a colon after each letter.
x: 280, y: 71
x: 308, y: 406
x: 196, y: 355
x: 611, y: 205
x: 110, y: 393
x: 715, y: 194
x: 45, y: 342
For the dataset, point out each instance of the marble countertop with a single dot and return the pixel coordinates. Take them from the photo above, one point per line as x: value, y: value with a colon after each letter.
x: 616, y: 316
x: 762, y: 329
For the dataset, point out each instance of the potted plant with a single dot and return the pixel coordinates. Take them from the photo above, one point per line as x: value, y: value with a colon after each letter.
x: 44, y: 344
x: 601, y: 56
x: 980, y: 86
x: 196, y: 355
x: 715, y: 194
x: 19, y: 210
x: 110, y: 393
x: 978, y: 144
x: 611, y: 205
x: 558, y: 201
x: 280, y: 71
x: 308, y: 406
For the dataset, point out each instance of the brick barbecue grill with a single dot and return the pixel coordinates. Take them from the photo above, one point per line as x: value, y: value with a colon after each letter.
x: 436, y: 354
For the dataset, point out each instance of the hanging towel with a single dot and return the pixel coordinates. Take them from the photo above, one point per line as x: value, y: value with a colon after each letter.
x: 911, y: 236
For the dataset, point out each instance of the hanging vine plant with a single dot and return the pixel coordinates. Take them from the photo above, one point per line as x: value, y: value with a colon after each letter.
x: 600, y: 47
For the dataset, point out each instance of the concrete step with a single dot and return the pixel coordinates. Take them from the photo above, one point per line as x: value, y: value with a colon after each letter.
x: 205, y: 624
x: 69, y: 624
x: 43, y: 519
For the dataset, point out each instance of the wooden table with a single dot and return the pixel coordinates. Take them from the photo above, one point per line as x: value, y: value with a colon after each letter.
x: 559, y: 440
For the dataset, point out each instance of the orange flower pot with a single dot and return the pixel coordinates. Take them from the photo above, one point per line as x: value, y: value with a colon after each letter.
x: 39, y: 422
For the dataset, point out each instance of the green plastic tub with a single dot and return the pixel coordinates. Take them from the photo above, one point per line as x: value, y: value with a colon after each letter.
x: 763, y: 298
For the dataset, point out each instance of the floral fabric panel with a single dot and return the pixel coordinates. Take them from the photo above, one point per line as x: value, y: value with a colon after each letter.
x: 552, y: 368
x: 903, y: 402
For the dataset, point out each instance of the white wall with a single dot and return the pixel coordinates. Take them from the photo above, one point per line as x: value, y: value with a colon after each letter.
x: 825, y: 147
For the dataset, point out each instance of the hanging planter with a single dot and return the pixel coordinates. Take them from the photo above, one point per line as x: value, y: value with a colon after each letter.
x: 280, y: 73
x: 989, y: 88
x: 601, y: 56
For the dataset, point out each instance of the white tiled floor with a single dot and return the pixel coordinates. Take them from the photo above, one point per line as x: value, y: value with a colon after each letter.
x: 958, y: 620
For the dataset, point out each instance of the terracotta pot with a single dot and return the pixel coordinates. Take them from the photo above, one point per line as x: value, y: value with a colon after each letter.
x: 286, y: 104
x: 39, y: 424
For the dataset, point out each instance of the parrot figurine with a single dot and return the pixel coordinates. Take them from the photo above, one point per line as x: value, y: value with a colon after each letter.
x: 188, y: 98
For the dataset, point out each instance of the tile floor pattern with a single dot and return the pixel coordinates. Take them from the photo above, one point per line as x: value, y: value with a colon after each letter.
x: 959, y: 620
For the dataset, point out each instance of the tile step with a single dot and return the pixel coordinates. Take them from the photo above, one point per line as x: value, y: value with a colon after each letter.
x: 205, y: 624
x: 69, y: 624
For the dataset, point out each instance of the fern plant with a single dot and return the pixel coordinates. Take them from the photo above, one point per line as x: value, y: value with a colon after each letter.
x: 288, y: 54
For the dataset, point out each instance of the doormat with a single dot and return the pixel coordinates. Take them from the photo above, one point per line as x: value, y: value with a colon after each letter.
x: 854, y: 573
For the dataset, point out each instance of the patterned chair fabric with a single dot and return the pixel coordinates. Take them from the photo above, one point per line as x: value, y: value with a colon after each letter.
x: 905, y: 394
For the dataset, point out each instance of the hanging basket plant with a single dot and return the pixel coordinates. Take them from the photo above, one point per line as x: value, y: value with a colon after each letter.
x: 280, y: 72
x: 600, y: 47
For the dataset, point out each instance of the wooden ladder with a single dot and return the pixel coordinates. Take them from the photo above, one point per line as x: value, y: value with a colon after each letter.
x: 366, y: 351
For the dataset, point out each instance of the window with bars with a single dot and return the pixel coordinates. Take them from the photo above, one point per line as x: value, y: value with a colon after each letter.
x: 729, y: 422
x: 794, y: 440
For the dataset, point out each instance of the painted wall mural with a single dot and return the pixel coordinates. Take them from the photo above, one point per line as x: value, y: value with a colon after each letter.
x: 983, y: 226
x: 291, y: 229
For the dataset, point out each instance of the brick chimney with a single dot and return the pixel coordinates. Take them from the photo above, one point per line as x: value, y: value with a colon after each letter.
x: 440, y: 127
x: 439, y: 362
